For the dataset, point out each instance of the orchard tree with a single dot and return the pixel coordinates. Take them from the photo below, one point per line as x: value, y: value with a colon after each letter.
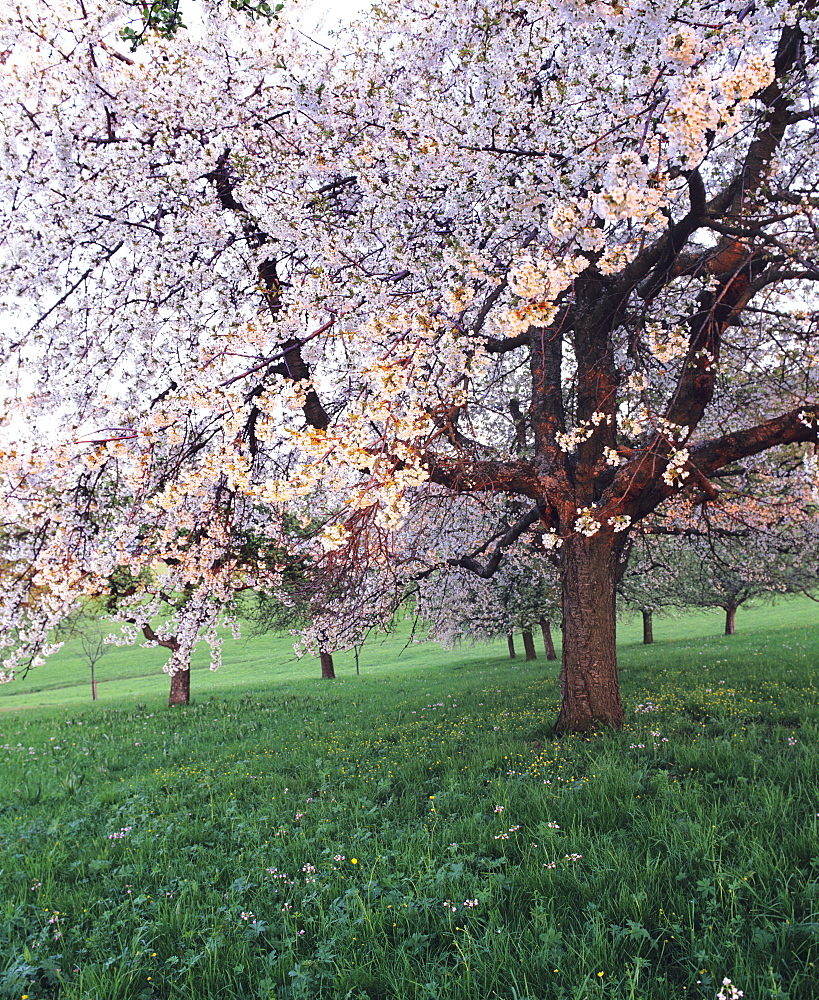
x: 724, y: 557
x: 721, y: 576
x: 660, y: 559
x: 556, y: 251
x: 462, y: 567
x: 330, y: 609
x: 522, y: 595
x: 649, y: 584
x: 89, y: 634
x: 727, y: 570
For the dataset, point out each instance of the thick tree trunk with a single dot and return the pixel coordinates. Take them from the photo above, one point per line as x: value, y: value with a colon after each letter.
x: 510, y: 642
x: 327, y: 670
x: 548, y: 644
x: 529, y: 645
x: 730, y: 619
x: 648, y: 627
x: 180, y: 688
x: 590, y: 690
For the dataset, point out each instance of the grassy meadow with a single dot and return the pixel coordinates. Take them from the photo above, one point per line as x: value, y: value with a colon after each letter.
x: 415, y: 832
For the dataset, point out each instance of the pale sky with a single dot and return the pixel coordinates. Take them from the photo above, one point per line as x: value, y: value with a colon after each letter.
x: 324, y: 13
x: 332, y: 12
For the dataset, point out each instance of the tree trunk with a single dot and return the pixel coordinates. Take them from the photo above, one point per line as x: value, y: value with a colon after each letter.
x: 648, y: 627
x: 591, y: 694
x: 529, y: 645
x: 327, y: 671
x: 93, y: 684
x: 730, y: 619
x: 548, y: 644
x: 510, y: 641
x: 180, y: 688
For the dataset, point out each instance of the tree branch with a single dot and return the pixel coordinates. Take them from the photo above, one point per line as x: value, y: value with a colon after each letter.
x: 296, y: 367
x: 487, y: 569
x: 695, y: 386
x: 653, y: 268
x: 487, y: 476
x: 790, y: 428
x: 493, y: 345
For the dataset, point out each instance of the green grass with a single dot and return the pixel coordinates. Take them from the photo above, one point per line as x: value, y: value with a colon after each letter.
x: 285, y: 837
x: 133, y: 673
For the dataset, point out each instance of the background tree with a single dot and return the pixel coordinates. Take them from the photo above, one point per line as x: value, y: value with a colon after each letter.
x: 330, y: 272
x: 715, y: 579
x: 724, y: 561
x: 521, y: 596
x: 649, y: 584
x: 730, y: 570
x: 90, y: 634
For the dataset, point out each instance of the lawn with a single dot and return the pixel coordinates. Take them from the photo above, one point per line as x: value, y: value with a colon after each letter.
x: 415, y: 831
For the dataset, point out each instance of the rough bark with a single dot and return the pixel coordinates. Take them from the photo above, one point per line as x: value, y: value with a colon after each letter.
x: 328, y: 672
x: 548, y: 644
x: 510, y: 641
x: 180, y: 688
x: 591, y: 695
x: 529, y: 645
x: 730, y: 619
x: 648, y: 626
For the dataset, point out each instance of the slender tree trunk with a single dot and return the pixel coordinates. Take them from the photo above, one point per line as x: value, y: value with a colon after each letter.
x: 590, y: 690
x: 510, y: 641
x: 529, y: 645
x: 180, y: 688
x: 548, y: 644
x: 93, y: 684
x: 648, y: 627
x: 327, y: 670
x: 730, y: 619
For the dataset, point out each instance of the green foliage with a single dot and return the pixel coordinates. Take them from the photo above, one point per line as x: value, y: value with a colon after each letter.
x: 123, y: 583
x: 160, y: 16
x: 259, y: 9
x: 164, y: 17
x: 417, y: 833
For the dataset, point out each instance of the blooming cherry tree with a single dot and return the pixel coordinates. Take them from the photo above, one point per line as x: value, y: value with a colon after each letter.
x: 560, y: 251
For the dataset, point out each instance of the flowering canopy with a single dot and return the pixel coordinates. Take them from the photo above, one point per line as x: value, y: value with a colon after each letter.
x: 559, y: 250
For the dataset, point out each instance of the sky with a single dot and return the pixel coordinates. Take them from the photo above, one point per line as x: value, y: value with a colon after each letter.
x: 317, y: 17
x: 329, y: 12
